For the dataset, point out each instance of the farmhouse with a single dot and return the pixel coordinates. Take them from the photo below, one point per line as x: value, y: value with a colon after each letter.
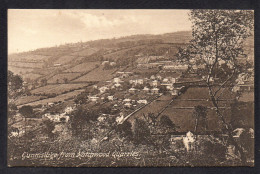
x: 103, y: 89
x: 110, y: 98
x: 142, y: 101
x: 132, y: 90
x: 93, y: 98
x: 128, y: 105
x: 146, y: 89
x: 155, y: 90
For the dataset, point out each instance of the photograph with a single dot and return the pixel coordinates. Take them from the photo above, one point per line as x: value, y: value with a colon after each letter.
x: 130, y: 88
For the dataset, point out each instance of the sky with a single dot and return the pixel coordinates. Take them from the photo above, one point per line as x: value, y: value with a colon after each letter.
x: 31, y: 29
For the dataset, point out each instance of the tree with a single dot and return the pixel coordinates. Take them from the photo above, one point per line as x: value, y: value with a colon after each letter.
x: 44, y: 82
x: 142, y: 134
x: 15, y: 84
x: 200, y: 115
x: 26, y: 111
x: 65, y: 80
x: 218, y: 40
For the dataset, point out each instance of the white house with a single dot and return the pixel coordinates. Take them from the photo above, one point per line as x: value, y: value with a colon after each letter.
x: 111, y: 97
x: 128, y: 105
x: 155, y: 90
x: 146, y: 89
x: 68, y: 109
x: 93, y: 98
x: 127, y: 100
x: 188, y: 141
x: 132, y: 90
x: 103, y: 89
x: 155, y: 83
x: 142, y: 101
x: 117, y: 80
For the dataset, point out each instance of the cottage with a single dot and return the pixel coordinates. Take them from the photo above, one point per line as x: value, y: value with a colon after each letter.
x: 103, y: 89
x: 68, y: 110
x: 117, y: 80
x: 188, y: 141
x: 155, y: 90
x: 93, y: 98
x: 146, y: 89
x: 117, y: 85
x: 165, y: 80
x: 140, y: 81
x: 110, y: 98
x: 155, y: 83
x: 127, y: 100
x: 159, y: 77
x: 132, y: 90
x: 128, y: 105
x: 152, y: 77
x: 142, y: 101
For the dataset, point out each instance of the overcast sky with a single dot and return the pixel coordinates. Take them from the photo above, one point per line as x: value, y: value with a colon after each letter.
x: 31, y: 29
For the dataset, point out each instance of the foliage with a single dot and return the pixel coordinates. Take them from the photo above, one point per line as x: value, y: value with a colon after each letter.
x: 26, y: 111
x: 218, y: 38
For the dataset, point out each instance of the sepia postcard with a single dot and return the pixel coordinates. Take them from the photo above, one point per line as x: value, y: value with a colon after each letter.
x: 130, y: 88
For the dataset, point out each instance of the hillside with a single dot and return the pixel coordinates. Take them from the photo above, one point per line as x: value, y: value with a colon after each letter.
x: 49, y: 62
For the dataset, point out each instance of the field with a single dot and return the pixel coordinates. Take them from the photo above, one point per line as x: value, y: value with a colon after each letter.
x: 58, y: 89
x: 85, y: 52
x: 62, y: 97
x: 61, y: 77
x: 83, y: 67
x: 27, y: 64
x: 65, y: 59
x: 28, y: 99
x: 97, y: 75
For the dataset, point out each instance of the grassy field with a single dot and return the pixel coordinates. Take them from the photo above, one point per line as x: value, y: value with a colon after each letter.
x: 61, y: 97
x: 61, y: 77
x: 58, y: 89
x: 65, y: 59
x: 97, y: 75
x: 28, y: 99
x: 83, y: 67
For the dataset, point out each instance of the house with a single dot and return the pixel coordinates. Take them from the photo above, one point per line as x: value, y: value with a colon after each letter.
x: 117, y: 80
x: 127, y: 100
x: 165, y: 80
x: 117, y: 85
x: 188, y: 141
x: 132, y: 90
x: 236, y: 89
x: 68, y: 109
x: 155, y: 90
x: 169, y: 87
x: 175, y: 92
x: 57, y: 117
x: 155, y: 83
x: 152, y: 77
x: 128, y: 105
x: 158, y: 77
x: 110, y: 98
x: 146, y: 89
x: 173, y: 80
x: 142, y: 101
x: 93, y: 98
x: 103, y: 89
x: 140, y: 81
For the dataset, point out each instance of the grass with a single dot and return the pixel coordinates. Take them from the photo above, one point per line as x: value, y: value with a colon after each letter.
x: 83, y: 67
x: 58, y: 98
x: 61, y: 77
x: 28, y: 99
x: 97, y: 75
x: 58, y: 88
